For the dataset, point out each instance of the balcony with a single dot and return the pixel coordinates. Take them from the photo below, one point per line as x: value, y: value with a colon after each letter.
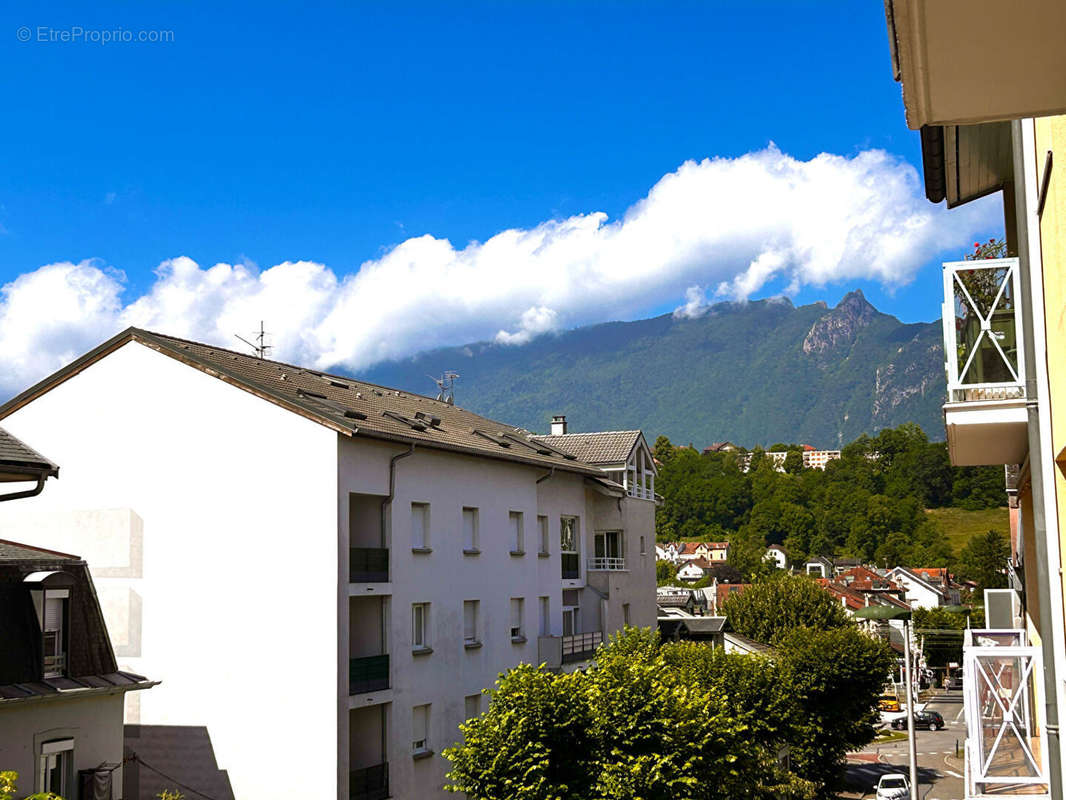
x: 370, y: 783
x: 607, y: 564
x: 985, y: 415
x: 1006, y: 746
x: 580, y: 646
x: 369, y: 674
x: 571, y: 566
x: 368, y: 565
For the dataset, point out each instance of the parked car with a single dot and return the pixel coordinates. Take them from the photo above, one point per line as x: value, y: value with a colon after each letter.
x: 922, y: 719
x: 893, y: 786
x: 888, y: 702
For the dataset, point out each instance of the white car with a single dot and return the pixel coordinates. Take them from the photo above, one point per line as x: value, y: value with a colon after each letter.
x: 893, y: 786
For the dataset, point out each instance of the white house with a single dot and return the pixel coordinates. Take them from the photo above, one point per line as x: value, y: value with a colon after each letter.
x: 776, y: 555
x: 61, y: 692
x: 327, y: 572
x: 920, y: 592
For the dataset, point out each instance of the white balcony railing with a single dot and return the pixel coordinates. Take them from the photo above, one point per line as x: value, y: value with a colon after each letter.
x: 1006, y: 744
x: 982, y: 331
x: 607, y: 564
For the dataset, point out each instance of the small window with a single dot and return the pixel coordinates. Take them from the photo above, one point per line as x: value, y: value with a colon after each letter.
x: 419, y: 526
x: 642, y: 548
x: 472, y: 706
x: 625, y: 613
x: 54, y: 632
x: 470, y: 622
x: 517, y: 534
x: 470, y: 530
x: 545, y: 617
x: 517, y: 610
x: 55, y: 767
x: 420, y: 626
x: 568, y: 534
x: 420, y: 729
x: 542, y: 527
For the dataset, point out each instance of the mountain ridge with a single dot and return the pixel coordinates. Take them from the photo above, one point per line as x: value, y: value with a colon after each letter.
x: 756, y: 372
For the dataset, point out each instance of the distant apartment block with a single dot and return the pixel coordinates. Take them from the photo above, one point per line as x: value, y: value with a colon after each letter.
x: 328, y: 572
x: 812, y: 459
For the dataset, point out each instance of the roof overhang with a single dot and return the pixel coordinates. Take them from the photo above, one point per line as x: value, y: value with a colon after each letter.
x: 961, y: 163
x: 968, y: 61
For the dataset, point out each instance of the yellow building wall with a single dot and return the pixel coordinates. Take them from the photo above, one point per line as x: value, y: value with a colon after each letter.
x: 1051, y: 135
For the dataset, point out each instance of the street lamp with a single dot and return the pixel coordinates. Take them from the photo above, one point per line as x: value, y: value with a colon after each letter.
x: 888, y: 613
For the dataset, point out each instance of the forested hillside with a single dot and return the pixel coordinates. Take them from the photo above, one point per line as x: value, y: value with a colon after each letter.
x: 871, y: 504
x: 751, y: 373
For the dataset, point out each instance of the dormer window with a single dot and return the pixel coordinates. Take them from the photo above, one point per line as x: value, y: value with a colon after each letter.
x: 54, y: 631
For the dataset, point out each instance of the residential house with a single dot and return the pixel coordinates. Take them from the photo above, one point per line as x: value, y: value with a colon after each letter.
x: 820, y: 566
x: 776, y: 554
x: 922, y: 591
x: 721, y: 447
x: 993, y: 125
x: 402, y: 550
x: 714, y: 552
x: 720, y: 591
x: 693, y: 569
x: 61, y: 692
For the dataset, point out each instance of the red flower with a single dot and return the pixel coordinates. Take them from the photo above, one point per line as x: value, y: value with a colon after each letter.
x: 976, y: 244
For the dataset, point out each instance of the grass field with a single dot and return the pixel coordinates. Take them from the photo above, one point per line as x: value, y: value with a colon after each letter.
x: 959, y: 525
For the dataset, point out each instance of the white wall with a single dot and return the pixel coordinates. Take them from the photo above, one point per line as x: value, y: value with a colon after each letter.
x: 238, y: 589
x: 95, y: 724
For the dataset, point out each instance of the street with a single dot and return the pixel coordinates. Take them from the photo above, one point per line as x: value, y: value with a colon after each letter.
x: 939, y: 771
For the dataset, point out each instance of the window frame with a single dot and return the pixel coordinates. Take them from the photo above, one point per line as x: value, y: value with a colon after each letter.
x: 516, y: 530
x: 473, y: 640
x: 544, y: 530
x: 420, y: 510
x: 420, y: 639
x: 519, y: 604
x: 473, y: 546
x: 420, y: 747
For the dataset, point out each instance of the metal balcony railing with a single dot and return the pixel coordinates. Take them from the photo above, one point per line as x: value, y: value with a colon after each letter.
x: 607, y: 563
x: 581, y: 646
x: 368, y: 565
x: 982, y: 331
x: 369, y: 674
x: 1006, y: 744
x: 571, y: 565
x: 370, y: 783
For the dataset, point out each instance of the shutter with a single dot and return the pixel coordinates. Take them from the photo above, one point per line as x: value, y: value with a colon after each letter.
x: 516, y: 531
x: 53, y: 614
x: 418, y: 525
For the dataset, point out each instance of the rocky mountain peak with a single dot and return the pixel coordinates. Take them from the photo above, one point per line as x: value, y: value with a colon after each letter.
x: 840, y: 327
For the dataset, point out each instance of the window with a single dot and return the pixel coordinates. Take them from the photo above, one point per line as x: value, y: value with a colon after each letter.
x: 420, y: 730
x: 470, y: 531
x: 517, y: 611
x: 642, y: 548
x: 470, y: 632
x: 568, y: 546
x: 420, y: 626
x: 545, y: 617
x: 472, y: 706
x: 625, y: 613
x: 54, y: 630
x: 419, y: 526
x: 54, y: 770
x: 517, y: 534
x: 607, y: 551
x: 542, y: 526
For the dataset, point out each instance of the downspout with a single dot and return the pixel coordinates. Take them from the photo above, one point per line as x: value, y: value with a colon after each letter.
x: 387, y: 502
x: 28, y: 492
x: 1046, y: 562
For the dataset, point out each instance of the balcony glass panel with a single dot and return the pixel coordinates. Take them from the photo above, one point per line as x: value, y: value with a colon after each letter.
x: 368, y: 565
x: 571, y: 565
x: 370, y: 674
x: 370, y: 783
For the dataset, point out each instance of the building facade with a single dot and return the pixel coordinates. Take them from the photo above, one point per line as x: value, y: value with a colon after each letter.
x: 331, y: 572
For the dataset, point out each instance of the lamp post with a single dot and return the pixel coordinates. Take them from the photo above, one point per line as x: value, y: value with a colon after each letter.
x: 887, y: 613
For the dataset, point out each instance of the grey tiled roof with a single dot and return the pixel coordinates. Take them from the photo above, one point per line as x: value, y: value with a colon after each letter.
x: 347, y: 405
x: 608, y: 447
x: 17, y: 457
x: 13, y: 551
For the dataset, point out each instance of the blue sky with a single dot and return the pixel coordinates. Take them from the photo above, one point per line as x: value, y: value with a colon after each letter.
x: 331, y: 133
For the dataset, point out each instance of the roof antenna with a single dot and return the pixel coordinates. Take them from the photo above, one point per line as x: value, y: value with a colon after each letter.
x: 446, y: 385
x: 262, y: 348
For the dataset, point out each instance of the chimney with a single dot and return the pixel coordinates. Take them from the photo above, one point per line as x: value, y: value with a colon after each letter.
x: 559, y: 425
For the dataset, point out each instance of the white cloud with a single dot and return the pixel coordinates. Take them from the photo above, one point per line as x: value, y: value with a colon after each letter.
x: 735, y: 224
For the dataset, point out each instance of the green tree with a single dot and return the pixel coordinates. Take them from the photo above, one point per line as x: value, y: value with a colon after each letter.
x: 793, y: 462
x: 940, y: 632
x: 780, y: 603
x: 663, y: 450
x: 984, y: 560
x: 665, y: 573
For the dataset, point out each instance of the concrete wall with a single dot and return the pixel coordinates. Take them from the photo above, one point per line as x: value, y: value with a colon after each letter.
x: 94, y: 723
x: 228, y: 546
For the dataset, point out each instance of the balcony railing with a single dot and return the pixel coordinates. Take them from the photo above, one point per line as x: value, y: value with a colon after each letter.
x: 370, y: 783
x: 982, y: 329
x: 368, y: 565
x: 581, y: 646
x: 607, y: 563
x: 571, y: 565
x: 1006, y: 745
x: 370, y: 674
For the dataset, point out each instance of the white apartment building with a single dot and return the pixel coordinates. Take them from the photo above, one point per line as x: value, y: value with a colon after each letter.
x: 327, y: 572
x: 817, y: 459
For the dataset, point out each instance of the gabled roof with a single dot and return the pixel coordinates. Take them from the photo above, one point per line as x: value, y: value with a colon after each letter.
x: 14, y: 551
x: 903, y: 571
x: 607, y: 447
x: 348, y: 406
x: 19, y: 461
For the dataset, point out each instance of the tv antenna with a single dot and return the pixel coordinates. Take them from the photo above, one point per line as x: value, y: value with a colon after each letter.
x: 446, y: 386
x: 262, y: 347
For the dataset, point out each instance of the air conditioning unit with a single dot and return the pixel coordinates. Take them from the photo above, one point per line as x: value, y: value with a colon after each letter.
x: 1003, y: 609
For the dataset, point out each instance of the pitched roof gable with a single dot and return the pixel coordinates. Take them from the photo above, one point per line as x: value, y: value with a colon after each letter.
x: 606, y: 447
x: 346, y: 405
x: 19, y: 461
